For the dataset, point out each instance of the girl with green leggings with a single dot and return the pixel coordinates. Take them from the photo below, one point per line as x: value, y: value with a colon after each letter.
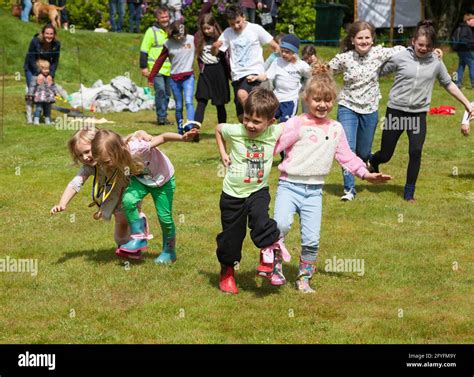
x: 151, y: 172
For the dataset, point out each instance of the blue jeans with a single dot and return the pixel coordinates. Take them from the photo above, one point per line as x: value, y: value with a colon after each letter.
x: 360, y: 130
x: 45, y: 106
x: 26, y: 9
x: 249, y: 14
x: 306, y: 201
x: 178, y: 87
x: 114, y: 6
x: 465, y: 58
x: 29, y: 76
x: 162, y: 96
x: 134, y: 14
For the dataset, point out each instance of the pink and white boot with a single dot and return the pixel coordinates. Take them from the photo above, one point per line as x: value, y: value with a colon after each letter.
x: 268, y: 257
x: 140, y: 234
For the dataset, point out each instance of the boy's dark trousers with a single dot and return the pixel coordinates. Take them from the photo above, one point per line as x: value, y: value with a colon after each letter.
x: 234, y: 213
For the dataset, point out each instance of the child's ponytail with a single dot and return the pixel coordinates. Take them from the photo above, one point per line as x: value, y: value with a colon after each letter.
x: 322, y: 83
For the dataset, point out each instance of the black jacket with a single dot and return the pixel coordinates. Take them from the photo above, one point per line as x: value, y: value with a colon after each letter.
x: 36, y: 51
x: 466, y: 37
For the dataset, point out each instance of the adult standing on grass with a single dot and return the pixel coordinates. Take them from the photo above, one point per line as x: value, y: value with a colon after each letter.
x: 465, y: 48
x: 415, y: 70
x: 152, y: 45
x: 116, y: 6
x: 43, y: 46
x: 64, y: 19
x: 134, y: 14
x: 26, y: 6
x: 248, y: 9
x: 359, y: 98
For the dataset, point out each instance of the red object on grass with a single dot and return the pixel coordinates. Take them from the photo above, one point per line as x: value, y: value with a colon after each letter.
x: 443, y: 110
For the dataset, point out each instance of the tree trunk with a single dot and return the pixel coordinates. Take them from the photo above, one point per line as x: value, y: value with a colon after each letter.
x: 444, y: 14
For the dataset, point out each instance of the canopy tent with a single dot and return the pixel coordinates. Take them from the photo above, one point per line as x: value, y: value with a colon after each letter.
x: 379, y: 12
x: 390, y: 13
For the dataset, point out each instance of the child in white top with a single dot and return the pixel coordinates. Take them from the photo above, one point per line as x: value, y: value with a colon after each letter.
x: 311, y: 142
x: 286, y: 73
x: 244, y: 40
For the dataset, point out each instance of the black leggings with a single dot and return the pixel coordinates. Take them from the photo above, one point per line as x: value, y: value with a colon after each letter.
x: 396, y: 122
x: 234, y: 215
x: 201, y: 107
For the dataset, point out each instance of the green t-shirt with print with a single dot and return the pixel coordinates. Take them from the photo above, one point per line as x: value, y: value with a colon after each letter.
x: 251, y: 159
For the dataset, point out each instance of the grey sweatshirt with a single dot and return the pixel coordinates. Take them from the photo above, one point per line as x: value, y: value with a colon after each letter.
x: 414, y: 80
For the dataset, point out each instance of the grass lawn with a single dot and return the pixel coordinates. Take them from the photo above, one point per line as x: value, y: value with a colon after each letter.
x: 418, y: 281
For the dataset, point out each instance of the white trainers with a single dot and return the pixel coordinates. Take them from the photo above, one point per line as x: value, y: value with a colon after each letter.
x: 36, y: 121
x: 348, y: 196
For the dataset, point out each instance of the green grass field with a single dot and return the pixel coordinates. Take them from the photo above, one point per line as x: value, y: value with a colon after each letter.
x: 418, y: 281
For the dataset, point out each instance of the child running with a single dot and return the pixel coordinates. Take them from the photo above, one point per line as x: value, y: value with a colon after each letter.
x: 244, y: 40
x: 286, y: 74
x: 311, y: 141
x: 151, y: 172
x: 42, y: 93
x: 106, y: 190
x: 245, y: 194
x: 213, y: 83
x: 180, y: 50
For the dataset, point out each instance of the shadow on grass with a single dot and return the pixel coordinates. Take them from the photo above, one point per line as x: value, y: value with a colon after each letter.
x: 338, y: 190
x: 248, y: 281
x: 101, y: 256
x: 462, y: 176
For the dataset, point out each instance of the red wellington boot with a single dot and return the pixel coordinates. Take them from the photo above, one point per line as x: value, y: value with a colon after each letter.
x: 227, y: 280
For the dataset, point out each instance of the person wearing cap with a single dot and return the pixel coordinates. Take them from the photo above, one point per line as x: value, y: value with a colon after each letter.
x: 286, y: 74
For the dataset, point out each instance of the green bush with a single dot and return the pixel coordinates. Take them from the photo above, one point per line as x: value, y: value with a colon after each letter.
x: 88, y: 14
x: 300, y: 20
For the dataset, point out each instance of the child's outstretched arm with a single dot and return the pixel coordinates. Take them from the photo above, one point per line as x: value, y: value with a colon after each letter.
x: 350, y: 161
x: 73, y: 188
x: 66, y: 197
x: 221, y: 145
x: 172, y: 136
x: 465, y: 127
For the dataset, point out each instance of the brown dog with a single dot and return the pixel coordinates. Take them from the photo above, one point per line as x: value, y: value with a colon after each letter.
x: 40, y: 9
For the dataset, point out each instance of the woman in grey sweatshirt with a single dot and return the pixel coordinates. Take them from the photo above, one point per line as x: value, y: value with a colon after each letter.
x: 415, y: 72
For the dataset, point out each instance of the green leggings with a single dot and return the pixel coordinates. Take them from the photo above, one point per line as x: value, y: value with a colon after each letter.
x: 162, y: 197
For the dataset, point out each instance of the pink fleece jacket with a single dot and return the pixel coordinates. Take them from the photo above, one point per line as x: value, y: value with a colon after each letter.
x: 310, y: 145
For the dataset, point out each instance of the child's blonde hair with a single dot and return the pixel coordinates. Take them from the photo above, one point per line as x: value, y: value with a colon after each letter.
x: 42, y: 64
x: 86, y: 135
x: 108, y: 145
x: 322, y: 83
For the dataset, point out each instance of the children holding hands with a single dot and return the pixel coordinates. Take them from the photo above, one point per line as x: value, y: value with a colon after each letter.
x: 150, y: 172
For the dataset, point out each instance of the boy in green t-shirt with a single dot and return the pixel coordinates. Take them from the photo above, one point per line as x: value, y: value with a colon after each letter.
x: 245, y: 191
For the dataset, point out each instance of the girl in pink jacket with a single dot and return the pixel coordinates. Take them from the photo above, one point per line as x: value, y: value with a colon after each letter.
x: 311, y: 141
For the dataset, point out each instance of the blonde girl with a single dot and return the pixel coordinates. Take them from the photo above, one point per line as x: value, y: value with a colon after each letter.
x: 107, y: 188
x: 150, y: 172
x: 310, y: 142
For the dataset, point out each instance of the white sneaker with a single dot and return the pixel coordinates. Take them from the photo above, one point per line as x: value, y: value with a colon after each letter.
x: 348, y: 196
x: 36, y: 121
x: 47, y: 120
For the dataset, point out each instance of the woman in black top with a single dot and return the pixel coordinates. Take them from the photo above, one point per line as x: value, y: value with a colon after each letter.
x: 43, y: 46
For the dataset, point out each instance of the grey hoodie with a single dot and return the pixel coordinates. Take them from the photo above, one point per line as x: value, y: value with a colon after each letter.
x: 414, y: 80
